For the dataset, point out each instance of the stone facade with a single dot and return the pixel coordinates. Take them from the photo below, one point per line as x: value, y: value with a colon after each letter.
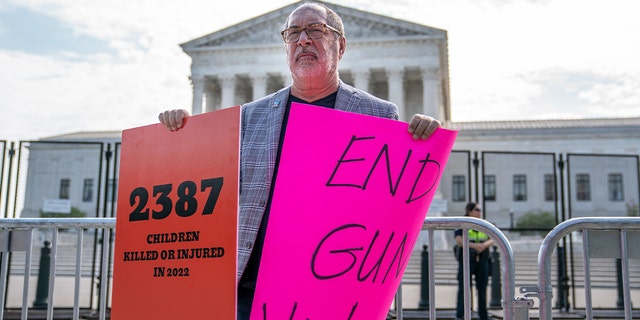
x: 403, y: 62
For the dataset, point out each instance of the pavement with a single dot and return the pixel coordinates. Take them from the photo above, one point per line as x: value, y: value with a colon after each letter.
x: 604, y: 302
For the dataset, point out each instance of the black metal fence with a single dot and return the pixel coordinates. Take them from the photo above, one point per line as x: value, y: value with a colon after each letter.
x: 524, y: 194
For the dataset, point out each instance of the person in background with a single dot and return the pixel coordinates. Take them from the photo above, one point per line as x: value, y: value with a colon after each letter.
x: 314, y: 41
x: 479, y: 263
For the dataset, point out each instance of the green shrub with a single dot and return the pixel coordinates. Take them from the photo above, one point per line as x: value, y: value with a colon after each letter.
x: 632, y: 209
x: 75, y: 213
x: 536, y: 220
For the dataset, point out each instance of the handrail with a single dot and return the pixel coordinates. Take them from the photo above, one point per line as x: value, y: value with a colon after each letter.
x: 58, y: 222
x: 510, y: 302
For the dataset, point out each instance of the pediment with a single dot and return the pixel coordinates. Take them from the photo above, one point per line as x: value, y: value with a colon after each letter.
x: 265, y: 29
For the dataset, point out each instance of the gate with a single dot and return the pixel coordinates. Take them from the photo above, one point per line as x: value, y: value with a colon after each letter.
x: 17, y: 238
x: 597, y: 185
x: 515, y: 184
x: 62, y: 260
x: 601, y: 238
x: 583, y: 185
x: 514, y: 308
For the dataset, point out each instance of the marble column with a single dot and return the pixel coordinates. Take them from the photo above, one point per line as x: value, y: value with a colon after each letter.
x: 361, y: 78
x: 259, y: 82
x: 395, y: 78
x: 209, y: 96
x: 228, y: 88
x: 198, y: 91
x: 430, y: 92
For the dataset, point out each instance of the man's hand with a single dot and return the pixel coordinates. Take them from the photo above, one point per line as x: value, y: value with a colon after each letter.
x: 422, y: 126
x: 174, y: 119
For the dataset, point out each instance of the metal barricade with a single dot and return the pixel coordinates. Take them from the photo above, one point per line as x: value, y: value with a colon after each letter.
x: 514, y: 308
x: 16, y: 235
x: 601, y: 237
x: 609, y: 237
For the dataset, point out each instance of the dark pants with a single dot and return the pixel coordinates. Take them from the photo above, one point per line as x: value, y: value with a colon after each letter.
x: 245, y: 299
x: 479, y: 271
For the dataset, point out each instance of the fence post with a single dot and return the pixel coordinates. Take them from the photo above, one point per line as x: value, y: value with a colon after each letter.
x: 424, y: 279
x: 620, y: 300
x: 11, y: 154
x: 563, y: 279
x: 496, y: 280
x: 42, y: 288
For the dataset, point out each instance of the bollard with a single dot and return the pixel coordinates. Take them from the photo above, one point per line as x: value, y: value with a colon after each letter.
x: 42, y: 288
x: 496, y: 280
x: 563, y: 281
x: 620, y: 300
x: 424, y: 279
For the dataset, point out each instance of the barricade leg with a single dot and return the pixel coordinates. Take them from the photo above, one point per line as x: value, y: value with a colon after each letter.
x: 424, y: 279
x: 496, y: 282
x: 563, y: 281
x: 620, y: 300
x: 42, y: 287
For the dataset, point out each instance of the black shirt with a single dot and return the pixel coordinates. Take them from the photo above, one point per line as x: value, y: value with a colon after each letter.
x: 250, y: 274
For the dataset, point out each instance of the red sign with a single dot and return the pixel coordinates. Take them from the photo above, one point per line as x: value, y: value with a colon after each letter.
x: 176, y: 239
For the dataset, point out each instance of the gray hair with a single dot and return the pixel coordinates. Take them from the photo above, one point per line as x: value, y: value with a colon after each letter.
x: 333, y: 19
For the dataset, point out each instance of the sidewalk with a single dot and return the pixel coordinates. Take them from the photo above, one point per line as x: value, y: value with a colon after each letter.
x: 446, y: 297
x: 604, y: 301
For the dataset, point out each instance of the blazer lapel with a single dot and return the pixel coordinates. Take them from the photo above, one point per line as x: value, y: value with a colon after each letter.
x: 276, y: 107
x: 347, y: 99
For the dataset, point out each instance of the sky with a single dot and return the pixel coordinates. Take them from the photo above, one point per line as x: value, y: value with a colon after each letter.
x: 97, y: 65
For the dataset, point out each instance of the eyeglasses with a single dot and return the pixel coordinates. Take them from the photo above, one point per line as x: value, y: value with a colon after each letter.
x: 314, y: 31
x: 477, y: 209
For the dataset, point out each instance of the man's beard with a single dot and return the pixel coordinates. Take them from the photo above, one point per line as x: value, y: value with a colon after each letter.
x: 313, y: 68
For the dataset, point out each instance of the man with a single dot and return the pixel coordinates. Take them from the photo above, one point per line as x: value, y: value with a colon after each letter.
x: 314, y: 42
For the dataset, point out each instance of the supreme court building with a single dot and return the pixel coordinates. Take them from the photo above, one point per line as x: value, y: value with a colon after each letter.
x: 570, y: 168
x: 399, y: 61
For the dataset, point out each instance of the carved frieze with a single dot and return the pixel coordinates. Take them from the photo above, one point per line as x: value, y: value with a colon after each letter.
x: 267, y: 32
x: 266, y: 29
x: 361, y: 28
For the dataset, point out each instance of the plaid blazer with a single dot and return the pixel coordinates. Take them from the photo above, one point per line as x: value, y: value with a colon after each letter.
x: 260, y: 135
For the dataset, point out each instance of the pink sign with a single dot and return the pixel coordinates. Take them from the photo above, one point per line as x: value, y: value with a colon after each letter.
x: 350, y: 198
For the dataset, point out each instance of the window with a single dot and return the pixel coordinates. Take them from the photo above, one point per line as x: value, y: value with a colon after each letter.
x: 458, y: 194
x: 583, y: 189
x: 549, y: 188
x: 615, y: 187
x: 87, y: 190
x: 64, y: 189
x: 489, y: 187
x: 111, y: 195
x: 519, y: 187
